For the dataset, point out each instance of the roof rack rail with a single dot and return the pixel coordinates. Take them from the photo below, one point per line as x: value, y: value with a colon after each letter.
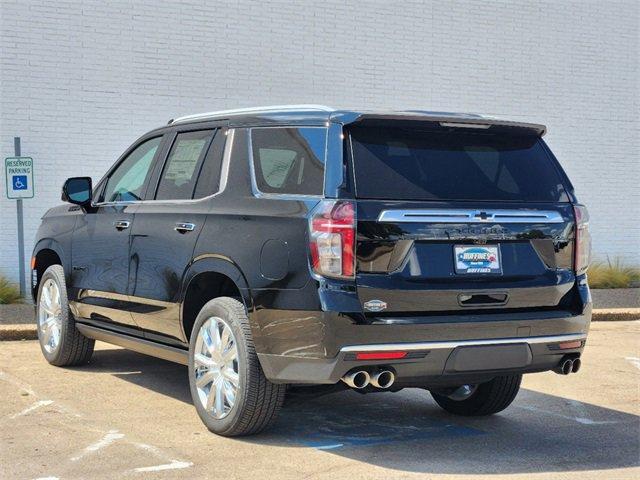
x: 243, y: 111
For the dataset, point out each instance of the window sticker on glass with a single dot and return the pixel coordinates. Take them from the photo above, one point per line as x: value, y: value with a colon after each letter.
x: 184, y: 159
x: 276, y: 165
x: 181, y: 170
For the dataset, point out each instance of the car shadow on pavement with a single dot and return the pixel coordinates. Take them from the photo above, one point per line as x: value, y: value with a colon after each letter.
x: 407, y: 431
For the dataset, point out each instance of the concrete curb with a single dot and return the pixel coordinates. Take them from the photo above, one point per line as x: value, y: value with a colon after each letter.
x: 17, y: 313
x: 18, y: 332
x: 29, y: 331
x: 616, y: 314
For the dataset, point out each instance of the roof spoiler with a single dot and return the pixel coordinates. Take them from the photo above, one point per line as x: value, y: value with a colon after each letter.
x: 448, y: 120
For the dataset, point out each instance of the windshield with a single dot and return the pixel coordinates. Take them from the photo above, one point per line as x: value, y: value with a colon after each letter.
x: 452, y: 164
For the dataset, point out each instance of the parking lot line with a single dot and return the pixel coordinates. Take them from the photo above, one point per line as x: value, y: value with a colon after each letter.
x: 635, y: 361
x: 31, y: 408
x: 175, y: 464
x: 105, y: 441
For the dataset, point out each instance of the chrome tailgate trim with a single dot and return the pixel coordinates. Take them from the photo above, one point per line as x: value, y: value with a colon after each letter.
x: 437, y: 215
x: 437, y: 345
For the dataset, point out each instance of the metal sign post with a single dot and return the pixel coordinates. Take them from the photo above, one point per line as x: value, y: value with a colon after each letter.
x: 17, y: 152
x: 19, y: 178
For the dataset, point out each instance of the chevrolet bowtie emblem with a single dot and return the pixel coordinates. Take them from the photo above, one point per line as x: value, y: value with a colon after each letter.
x: 483, y: 215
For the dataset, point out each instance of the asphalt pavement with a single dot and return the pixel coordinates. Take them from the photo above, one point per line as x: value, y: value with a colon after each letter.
x: 126, y: 415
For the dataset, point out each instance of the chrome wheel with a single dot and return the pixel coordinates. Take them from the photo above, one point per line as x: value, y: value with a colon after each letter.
x: 215, y: 367
x: 50, y: 315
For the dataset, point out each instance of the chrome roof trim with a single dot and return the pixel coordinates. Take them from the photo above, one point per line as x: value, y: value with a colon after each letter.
x: 252, y: 110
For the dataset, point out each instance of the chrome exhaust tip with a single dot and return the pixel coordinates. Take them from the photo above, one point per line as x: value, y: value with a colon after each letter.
x: 577, y: 363
x: 383, y: 379
x: 357, y: 379
x: 566, y: 366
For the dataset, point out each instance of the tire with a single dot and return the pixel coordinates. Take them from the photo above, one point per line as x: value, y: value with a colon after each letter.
x: 213, y: 365
x: 488, y: 398
x: 60, y: 341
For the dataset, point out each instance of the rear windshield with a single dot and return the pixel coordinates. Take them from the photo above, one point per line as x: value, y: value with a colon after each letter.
x: 452, y: 164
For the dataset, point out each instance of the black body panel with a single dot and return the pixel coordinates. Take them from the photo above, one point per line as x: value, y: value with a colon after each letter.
x: 100, y: 264
x: 130, y: 286
x: 159, y: 255
x: 411, y: 265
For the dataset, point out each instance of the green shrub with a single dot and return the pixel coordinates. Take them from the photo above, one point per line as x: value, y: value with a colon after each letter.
x: 612, y: 275
x: 9, y: 292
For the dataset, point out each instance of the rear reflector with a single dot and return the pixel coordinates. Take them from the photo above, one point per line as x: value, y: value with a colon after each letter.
x: 567, y: 345
x: 380, y: 355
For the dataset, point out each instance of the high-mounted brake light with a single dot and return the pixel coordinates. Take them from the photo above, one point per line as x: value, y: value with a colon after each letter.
x: 582, y: 256
x: 332, y: 229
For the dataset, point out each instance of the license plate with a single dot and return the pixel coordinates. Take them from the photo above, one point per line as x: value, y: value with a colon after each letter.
x: 474, y: 259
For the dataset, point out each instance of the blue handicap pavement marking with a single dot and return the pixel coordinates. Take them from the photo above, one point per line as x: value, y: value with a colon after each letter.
x: 343, y: 432
x: 329, y: 439
x: 20, y: 182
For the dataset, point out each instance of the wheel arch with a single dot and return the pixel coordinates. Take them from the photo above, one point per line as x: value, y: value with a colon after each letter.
x: 207, y: 277
x: 47, y: 252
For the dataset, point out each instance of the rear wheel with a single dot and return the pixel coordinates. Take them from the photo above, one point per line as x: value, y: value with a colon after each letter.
x: 60, y: 341
x: 229, y: 390
x: 482, y: 399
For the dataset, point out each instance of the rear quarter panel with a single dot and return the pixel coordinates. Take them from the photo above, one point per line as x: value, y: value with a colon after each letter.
x: 265, y: 237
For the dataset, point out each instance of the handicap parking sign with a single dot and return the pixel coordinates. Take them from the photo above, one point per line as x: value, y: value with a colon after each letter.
x: 19, y: 177
x: 19, y: 182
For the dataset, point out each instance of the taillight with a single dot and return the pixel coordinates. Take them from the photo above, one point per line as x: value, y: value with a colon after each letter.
x: 583, y: 239
x: 332, y: 229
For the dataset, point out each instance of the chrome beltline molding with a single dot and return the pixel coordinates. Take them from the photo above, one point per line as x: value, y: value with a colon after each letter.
x: 438, y: 345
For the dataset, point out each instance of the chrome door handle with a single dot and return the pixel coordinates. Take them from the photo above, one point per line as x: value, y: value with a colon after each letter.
x: 121, y: 224
x: 184, y: 227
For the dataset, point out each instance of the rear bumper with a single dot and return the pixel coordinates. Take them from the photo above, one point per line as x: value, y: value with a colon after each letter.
x: 438, y: 354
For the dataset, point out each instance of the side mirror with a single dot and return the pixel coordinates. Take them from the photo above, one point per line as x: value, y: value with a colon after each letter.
x: 77, y: 190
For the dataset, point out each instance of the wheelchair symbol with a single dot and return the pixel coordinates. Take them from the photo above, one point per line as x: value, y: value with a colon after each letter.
x: 20, y: 182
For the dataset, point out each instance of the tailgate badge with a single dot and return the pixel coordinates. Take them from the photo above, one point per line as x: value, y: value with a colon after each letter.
x: 375, y: 305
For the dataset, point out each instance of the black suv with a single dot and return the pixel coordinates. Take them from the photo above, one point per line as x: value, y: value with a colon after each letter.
x: 283, y: 247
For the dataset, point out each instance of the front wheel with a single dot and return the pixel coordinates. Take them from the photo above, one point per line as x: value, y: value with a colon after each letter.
x: 60, y: 341
x: 482, y: 399
x: 228, y: 387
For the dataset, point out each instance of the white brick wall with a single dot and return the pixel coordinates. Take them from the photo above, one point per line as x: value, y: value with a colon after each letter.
x: 80, y: 80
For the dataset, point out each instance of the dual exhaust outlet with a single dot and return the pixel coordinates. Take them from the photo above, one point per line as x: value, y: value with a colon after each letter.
x: 360, y: 379
x: 568, y: 365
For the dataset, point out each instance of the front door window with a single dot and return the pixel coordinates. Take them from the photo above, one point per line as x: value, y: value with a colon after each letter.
x: 126, y: 182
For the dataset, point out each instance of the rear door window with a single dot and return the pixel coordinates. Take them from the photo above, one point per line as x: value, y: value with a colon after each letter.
x: 209, y: 179
x: 289, y: 160
x: 180, y: 173
x: 452, y: 164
